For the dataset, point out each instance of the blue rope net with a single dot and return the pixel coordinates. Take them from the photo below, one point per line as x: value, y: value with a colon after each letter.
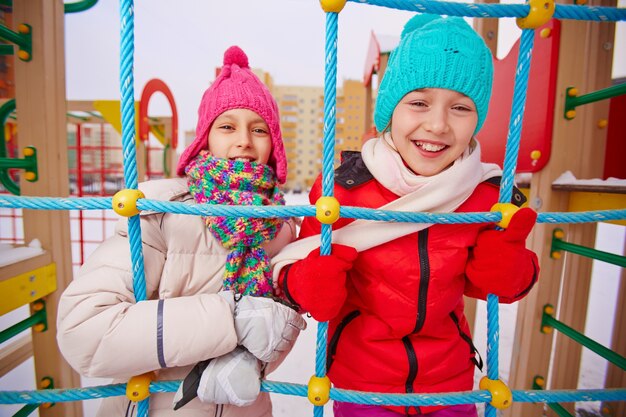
x: 512, y: 148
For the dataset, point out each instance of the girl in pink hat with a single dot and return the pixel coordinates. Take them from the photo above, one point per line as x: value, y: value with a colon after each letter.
x: 210, y: 317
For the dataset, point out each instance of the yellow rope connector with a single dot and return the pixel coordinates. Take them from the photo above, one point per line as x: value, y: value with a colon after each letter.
x: 535, y: 155
x: 125, y: 202
x: 318, y: 390
x: 507, y: 210
x: 23, y: 55
x: 46, y: 383
x: 540, y: 13
x: 549, y: 310
x: 334, y: 6
x: 545, y: 33
x: 327, y: 210
x: 501, y: 395
x: 23, y: 28
x: 138, y: 387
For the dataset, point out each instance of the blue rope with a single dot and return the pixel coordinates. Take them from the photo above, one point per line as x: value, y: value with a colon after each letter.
x: 330, y: 119
x: 328, y: 183
x: 506, y: 191
x: 300, y: 390
x: 158, y: 206
x: 493, y: 345
x: 493, y: 336
x: 127, y: 49
x: 517, y: 115
x: 128, y: 140
x: 330, y: 95
x: 562, y: 11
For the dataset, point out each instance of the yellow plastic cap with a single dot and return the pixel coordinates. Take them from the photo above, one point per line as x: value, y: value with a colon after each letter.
x: 327, y: 210
x: 501, y: 395
x: 332, y: 6
x: 540, y: 13
x: 125, y: 202
x: 138, y: 387
x: 507, y: 210
x: 319, y: 390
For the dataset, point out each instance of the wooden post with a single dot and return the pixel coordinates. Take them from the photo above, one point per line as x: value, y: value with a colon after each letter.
x: 382, y: 66
x: 368, y: 105
x: 170, y: 160
x: 488, y: 29
x: 577, y: 269
x: 141, y: 157
x: 616, y: 377
x: 40, y: 101
x: 578, y: 146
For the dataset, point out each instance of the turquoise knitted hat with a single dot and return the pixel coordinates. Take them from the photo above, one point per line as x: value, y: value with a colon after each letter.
x: 436, y: 52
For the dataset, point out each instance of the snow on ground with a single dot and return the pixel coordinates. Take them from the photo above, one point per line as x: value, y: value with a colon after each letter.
x: 300, y: 364
x: 568, y: 178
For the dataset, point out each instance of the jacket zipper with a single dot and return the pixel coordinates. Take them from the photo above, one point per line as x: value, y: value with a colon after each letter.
x: 422, y: 251
x: 473, y: 351
x: 334, y: 341
x: 408, y: 385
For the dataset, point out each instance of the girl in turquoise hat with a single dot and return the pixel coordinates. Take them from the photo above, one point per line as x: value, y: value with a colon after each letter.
x: 393, y: 292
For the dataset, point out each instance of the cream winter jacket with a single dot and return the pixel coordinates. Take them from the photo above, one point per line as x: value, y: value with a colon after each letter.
x: 103, y: 332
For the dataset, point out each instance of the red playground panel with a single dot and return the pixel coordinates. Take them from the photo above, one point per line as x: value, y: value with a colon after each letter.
x: 538, y: 119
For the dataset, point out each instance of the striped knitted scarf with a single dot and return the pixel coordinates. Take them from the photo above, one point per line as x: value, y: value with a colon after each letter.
x: 214, y: 180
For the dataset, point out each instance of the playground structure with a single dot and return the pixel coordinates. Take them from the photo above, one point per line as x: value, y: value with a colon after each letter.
x: 584, y: 62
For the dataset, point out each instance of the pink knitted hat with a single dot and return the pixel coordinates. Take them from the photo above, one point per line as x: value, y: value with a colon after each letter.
x: 236, y: 87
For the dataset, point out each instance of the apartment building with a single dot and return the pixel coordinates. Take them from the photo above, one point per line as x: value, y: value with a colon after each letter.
x: 302, y: 123
x: 300, y: 113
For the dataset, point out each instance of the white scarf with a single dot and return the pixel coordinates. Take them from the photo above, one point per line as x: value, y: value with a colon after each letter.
x: 440, y: 193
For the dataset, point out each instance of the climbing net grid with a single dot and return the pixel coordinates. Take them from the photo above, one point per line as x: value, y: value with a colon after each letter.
x: 130, y: 201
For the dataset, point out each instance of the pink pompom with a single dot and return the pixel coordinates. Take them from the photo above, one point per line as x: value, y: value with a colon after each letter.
x: 234, y: 55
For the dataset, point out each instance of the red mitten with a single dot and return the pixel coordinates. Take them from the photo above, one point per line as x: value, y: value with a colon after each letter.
x: 500, y: 264
x: 318, y: 283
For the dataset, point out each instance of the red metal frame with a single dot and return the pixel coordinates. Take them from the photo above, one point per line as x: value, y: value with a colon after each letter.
x: 11, y: 216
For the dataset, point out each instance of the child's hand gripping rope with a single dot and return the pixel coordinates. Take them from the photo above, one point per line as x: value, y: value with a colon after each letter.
x: 266, y: 329
x: 317, y: 283
x: 499, y: 262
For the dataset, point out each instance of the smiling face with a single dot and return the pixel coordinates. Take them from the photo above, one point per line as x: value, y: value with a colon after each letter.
x: 432, y: 127
x: 240, y: 134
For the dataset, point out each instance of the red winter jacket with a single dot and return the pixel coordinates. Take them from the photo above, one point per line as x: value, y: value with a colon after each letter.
x: 402, y: 328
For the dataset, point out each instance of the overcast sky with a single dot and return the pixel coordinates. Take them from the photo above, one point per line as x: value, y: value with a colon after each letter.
x: 182, y: 42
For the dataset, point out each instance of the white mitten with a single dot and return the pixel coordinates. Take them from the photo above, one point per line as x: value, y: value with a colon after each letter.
x: 234, y: 378
x: 265, y: 327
